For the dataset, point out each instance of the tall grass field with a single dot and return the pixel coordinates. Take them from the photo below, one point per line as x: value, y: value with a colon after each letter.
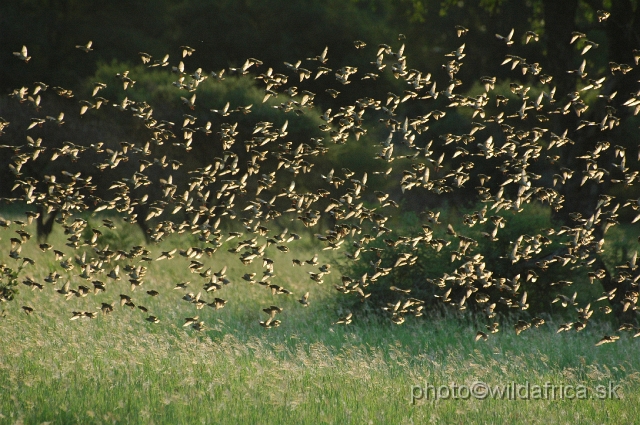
x: 120, y: 368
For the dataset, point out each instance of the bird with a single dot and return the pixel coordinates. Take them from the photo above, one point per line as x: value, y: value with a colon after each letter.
x: 163, y: 62
x: 564, y: 300
x: 85, y: 105
x: 580, y: 71
x: 97, y: 86
x: 304, y: 300
x: 187, y: 51
x: 145, y: 57
x: 603, y: 15
x: 333, y: 92
x: 508, y: 39
x: 85, y: 47
x: 607, y: 339
x: 461, y: 31
x: 224, y: 111
x: 126, y: 80
x: 271, y: 311
x: 608, y: 295
x: 36, y: 122
x: 218, y: 303
x: 576, y: 35
x: 168, y: 255
x: 588, y: 45
x: 530, y: 35
x: 106, y: 308
x: 344, y: 320
x: 58, y: 120
x: 191, y: 101
x: 481, y: 335
x: 190, y: 321
x: 23, y: 54
x: 521, y: 326
x: 322, y: 57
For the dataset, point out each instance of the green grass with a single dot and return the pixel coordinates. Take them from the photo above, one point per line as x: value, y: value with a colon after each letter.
x: 122, y: 369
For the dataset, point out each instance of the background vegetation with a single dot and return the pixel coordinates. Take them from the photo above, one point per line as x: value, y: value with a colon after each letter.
x: 304, y: 371
x: 120, y: 368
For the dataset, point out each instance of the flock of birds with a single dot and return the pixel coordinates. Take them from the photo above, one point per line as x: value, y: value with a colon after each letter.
x: 356, y: 222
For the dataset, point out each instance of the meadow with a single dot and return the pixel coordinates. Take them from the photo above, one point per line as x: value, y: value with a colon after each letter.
x: 119, y: 368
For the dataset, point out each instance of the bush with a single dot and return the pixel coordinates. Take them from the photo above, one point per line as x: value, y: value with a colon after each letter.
x: 434, y: 267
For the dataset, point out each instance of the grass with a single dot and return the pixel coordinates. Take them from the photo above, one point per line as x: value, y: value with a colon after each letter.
x: 122, y: 369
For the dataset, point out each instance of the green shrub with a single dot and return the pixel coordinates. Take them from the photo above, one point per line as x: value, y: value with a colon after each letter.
x: 432, y: 265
